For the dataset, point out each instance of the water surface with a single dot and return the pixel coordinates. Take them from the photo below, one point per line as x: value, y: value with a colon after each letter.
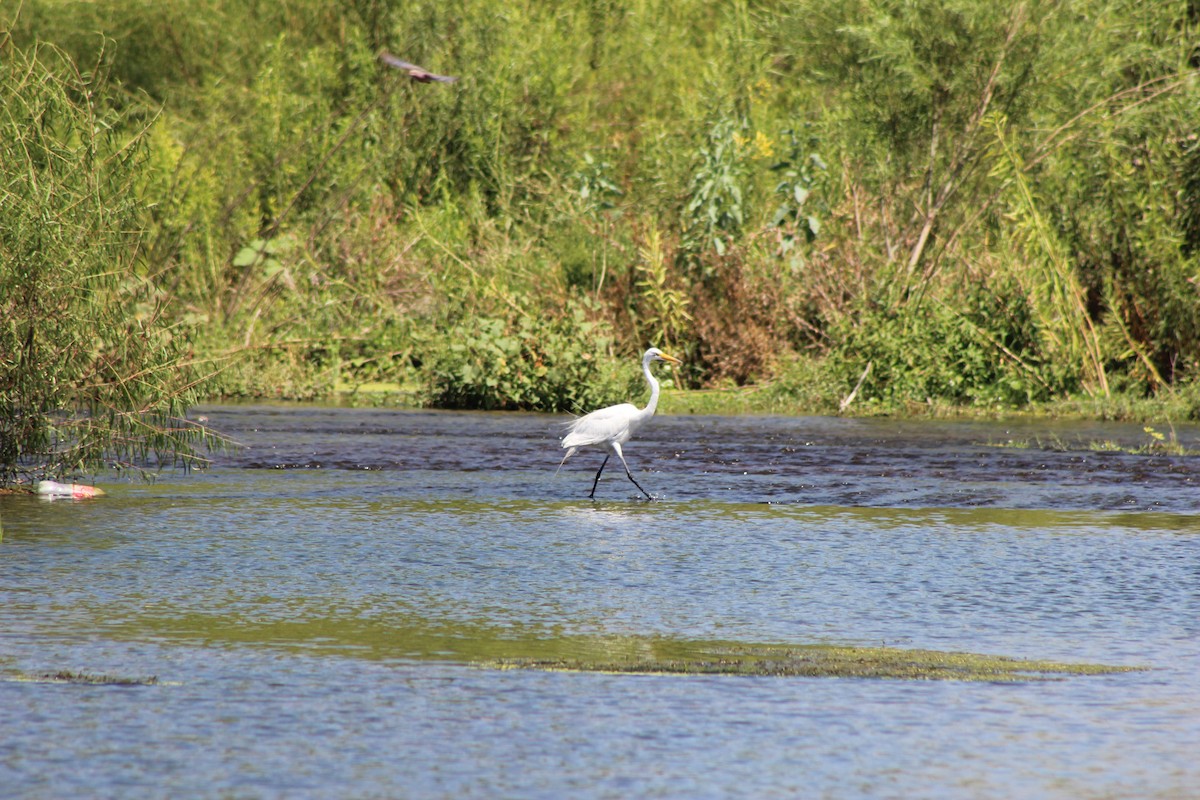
x: 316, y: 606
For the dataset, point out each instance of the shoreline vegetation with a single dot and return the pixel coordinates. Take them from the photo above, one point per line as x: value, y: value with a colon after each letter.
x: 931, y: 208
x: 1164, y: 409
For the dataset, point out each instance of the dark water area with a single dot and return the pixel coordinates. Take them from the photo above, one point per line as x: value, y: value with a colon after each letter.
x: 320, y: 607
x: 809, y: 460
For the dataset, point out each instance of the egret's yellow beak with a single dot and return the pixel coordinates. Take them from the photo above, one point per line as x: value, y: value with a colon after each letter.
x: 669, y: 359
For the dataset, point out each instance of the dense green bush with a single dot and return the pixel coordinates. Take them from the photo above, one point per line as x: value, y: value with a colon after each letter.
x: 986, y: 355
x: 526, y: 362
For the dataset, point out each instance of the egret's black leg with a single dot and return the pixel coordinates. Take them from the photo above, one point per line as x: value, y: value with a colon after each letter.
x: 621, y: 456
x: 635, y: 483
x: 592, y: 494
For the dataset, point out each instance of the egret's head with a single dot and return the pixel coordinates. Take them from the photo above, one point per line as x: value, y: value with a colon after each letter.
x: 654, y: 354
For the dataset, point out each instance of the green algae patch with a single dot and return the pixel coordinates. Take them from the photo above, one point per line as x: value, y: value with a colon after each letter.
x: 820, y: 661
x: 411, y: 638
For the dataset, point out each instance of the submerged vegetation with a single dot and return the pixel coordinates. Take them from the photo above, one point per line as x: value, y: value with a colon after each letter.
x: 404, y: 636
x: 813, y: 661
x: 1156, y: 443
x: 82, y: 678
x: 874, y: 205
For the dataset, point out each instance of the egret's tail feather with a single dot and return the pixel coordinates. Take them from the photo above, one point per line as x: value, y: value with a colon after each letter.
x: 570, y: 453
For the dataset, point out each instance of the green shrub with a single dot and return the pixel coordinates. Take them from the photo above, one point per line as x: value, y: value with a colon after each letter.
x: 987, y: 356
x: 716, y: 207
x: 529, y: 362
x: 807, y: 385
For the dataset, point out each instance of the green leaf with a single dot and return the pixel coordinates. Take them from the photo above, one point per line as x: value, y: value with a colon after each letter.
x: 246, y: 256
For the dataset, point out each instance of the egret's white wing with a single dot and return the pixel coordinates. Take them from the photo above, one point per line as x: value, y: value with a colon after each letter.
x: 600, y: 426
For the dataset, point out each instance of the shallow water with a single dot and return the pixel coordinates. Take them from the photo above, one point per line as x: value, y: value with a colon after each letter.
x: 316, y: 608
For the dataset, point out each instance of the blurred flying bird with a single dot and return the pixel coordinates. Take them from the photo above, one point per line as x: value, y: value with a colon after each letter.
x: 419, y: 74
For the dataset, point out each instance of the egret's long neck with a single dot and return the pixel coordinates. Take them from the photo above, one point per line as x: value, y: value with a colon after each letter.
x: 653, y: 404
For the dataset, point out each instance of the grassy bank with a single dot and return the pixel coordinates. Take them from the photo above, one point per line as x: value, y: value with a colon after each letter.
x: 767, y: 399
x: 940, y: 204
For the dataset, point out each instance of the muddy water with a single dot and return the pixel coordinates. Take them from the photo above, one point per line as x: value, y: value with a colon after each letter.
x: 318, y: 607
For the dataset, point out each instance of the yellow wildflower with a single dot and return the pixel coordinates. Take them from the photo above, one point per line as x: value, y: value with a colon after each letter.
x: 763, y: 146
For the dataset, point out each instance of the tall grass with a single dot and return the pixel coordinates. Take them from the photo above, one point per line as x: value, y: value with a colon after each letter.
x: 92, y: 368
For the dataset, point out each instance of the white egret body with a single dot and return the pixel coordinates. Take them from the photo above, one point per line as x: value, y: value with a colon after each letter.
x: 611, y: 427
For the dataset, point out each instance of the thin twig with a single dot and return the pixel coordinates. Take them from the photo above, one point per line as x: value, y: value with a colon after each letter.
x: 959, y: 156
x: 848, y: 399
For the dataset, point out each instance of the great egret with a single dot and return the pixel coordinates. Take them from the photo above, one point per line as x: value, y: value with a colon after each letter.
x: 419, y: 74
x: 612, y: 426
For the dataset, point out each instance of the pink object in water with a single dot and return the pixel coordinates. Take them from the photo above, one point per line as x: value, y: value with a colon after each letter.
x: 72, y: 490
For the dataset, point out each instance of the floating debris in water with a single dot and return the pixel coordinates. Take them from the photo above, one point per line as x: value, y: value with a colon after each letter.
x: 76, y: 491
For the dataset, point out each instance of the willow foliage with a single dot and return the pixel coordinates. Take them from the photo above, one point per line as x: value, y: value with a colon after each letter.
x: 91, y: 371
